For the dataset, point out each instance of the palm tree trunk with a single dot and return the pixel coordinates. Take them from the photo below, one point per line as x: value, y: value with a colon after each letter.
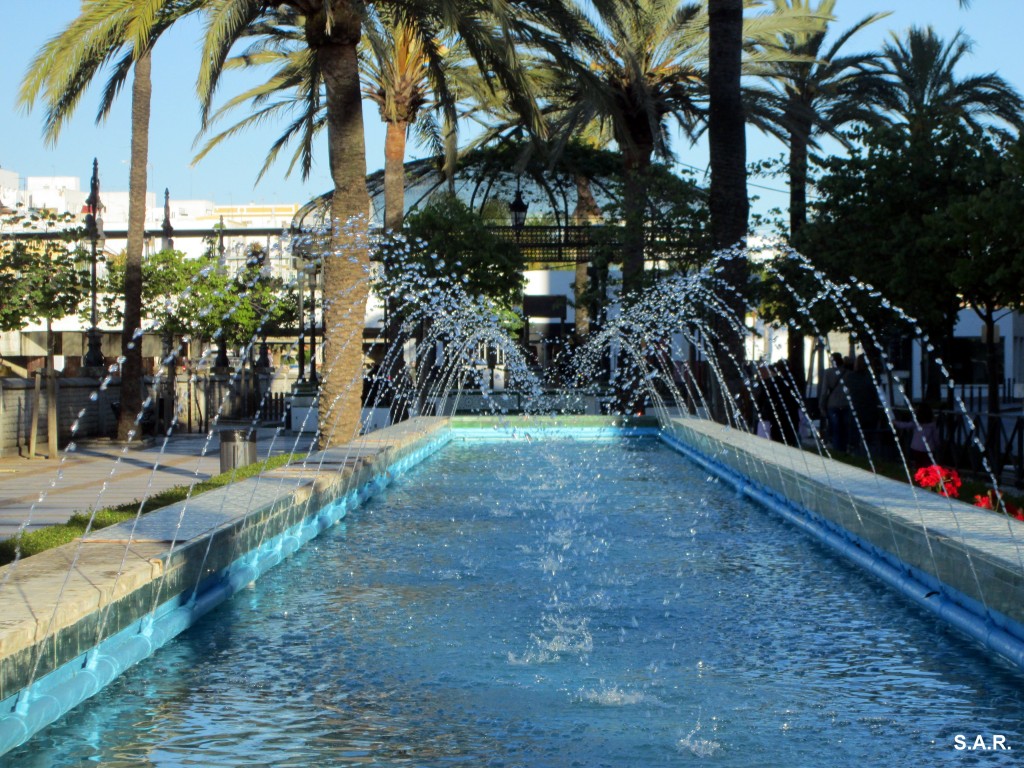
x: 131, y: 343
x: 586, y: 211
x: 347, y: 263
x: 394, y: 214
x: 728, y: 202
x: 394, y: 175
x: 637, y: 164
x: 797, y: 181
x: 727, y: 125
x: 797, y: 218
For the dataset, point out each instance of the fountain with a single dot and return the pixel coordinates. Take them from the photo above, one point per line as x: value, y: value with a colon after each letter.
x: 550, y: 587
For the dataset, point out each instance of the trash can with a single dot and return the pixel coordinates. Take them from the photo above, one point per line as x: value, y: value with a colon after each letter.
x: 237, y: 448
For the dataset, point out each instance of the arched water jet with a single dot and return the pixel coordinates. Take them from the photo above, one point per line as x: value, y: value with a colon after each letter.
x: 644, y: 347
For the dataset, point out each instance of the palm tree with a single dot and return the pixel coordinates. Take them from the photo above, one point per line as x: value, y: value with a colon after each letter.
x: 917, y: 85
x: 726, y: 124
x: 821, y: 92
x: 642, y: 66
x: 403, y: 74
x: 406, y: 76
x: 294, y: 91
x: 120, y: 35
x: 332, y: 31
x: 728, y: 202
x: 729, y: 34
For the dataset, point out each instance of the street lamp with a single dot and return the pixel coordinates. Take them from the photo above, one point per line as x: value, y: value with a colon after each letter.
x: 94, y: 229
x: 222, y: 360
x: 518, y: 208
x: 313, y: 378
x: 300, y: 275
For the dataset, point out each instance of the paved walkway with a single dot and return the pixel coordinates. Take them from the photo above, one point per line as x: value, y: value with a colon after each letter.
x: 103, y: 474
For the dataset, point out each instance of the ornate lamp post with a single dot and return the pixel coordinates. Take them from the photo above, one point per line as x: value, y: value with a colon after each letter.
x: 94, y: 229
x: 518, y: 208
x: 300, y: 273
x: 222, y: 360
x: 313, y: 378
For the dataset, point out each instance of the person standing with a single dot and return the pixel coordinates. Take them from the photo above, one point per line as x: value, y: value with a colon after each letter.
x: 864, y: 404
x: 835, y: 403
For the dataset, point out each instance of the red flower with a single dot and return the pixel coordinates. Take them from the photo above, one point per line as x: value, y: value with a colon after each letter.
x: 945, y: 482
x: 994, y: 500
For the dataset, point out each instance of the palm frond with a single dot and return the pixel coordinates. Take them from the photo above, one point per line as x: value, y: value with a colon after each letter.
x: 226, y: 22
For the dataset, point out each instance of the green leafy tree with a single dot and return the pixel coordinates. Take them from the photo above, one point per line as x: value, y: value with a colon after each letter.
x: 117, y: 36
x: 197, y: 300
x: 915, y: 86
x: 874, y: 219
x: 451, y: 242
x: 48, y: 275
x: 982, y: 221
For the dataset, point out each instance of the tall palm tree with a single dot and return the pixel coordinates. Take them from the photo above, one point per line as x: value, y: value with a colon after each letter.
x: 408, y: 83
x: 822, y: 92
x: 729, y: 35
x: 119, y: 35
x: 643, y: 66
x: 917, y: 85
x: 403, y: 74
x: 332, y: 31
x: 727, y: 202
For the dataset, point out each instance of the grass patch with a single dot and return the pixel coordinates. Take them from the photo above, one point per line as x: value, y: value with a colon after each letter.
x: 42, y: 539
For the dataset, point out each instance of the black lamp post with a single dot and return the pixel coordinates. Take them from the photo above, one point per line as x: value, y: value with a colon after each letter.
x: 94, y: 229
x: 222, y: 360
x: 300, y: 275
x: 313, y: 378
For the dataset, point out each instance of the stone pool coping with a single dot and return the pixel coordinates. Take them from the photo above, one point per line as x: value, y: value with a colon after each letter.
x: 962, y: 562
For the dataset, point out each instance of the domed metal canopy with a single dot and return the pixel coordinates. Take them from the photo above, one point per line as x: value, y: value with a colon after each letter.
x: 559, y: 204
x: 488, y: 180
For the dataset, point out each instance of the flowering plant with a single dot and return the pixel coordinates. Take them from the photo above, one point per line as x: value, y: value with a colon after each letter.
x: 944, y: 481
x: 994, y: 500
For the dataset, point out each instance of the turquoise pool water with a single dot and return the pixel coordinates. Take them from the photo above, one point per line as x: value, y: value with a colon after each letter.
x: 615, y: 609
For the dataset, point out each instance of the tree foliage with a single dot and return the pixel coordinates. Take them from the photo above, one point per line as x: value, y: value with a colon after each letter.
x: 931, y: 221
x: 40, y: 278
x: 871, y: 220
x: 197, y: 298
x: 447, y: 241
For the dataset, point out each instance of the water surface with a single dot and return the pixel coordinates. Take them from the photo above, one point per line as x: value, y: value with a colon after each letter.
x: 554, y: 604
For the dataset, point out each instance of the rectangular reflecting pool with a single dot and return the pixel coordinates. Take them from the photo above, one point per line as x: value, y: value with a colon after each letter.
x: 554, y: 603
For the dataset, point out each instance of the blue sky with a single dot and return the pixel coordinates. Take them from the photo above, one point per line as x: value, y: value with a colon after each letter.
x: 229, y: 173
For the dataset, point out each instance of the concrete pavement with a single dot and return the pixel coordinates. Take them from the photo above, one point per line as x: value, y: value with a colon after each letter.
x: 103, y: 474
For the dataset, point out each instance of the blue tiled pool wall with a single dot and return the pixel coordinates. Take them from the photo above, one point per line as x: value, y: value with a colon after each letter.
x: 991, y: 628
x: 500, y: 432
x: 26, y: 713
